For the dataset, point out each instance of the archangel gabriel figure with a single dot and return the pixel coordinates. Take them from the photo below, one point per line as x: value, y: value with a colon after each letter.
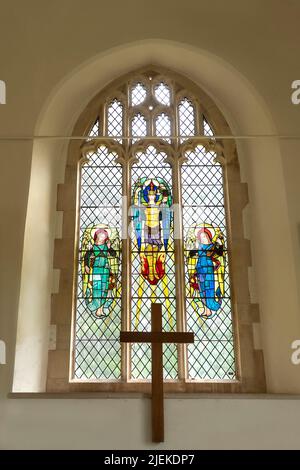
x: 100, y: 261
x: 152, y: 221
x: 205, y: 255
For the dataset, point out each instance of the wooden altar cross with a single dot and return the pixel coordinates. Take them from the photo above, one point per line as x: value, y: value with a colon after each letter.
x: 156, y: 337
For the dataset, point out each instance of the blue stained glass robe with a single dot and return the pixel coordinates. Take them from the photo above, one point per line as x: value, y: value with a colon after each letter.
x: 206, y: 277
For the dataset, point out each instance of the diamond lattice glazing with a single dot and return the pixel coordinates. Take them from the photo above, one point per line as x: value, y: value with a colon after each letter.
x: 212, y: 354
x: 97, y: 346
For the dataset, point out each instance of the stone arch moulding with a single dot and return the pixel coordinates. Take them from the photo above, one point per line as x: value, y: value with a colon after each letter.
x: 60, y: 113
x: 248, y: 360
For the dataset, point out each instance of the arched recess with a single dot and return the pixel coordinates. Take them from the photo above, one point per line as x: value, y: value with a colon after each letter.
x: 245, y: 112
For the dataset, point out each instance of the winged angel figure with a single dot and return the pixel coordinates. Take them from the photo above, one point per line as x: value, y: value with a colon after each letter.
x: 205, y: 255
x: 152, y: 222
x: 100, y: 262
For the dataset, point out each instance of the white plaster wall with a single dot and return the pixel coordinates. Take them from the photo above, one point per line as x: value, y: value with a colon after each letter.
x: 125, y: 424
x: 37, y: 273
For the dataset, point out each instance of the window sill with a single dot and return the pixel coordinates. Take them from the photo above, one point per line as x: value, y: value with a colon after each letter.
x: 100, y: 395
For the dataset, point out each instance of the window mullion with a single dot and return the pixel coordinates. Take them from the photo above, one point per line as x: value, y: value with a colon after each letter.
x: 126, y: 284
x: 179, y: 268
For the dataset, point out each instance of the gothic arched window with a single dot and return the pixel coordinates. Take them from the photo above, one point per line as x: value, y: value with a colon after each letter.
x: 154, y: 223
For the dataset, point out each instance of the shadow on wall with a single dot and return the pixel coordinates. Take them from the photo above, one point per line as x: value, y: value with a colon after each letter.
x: 2, y: 352
x: 2, y: 92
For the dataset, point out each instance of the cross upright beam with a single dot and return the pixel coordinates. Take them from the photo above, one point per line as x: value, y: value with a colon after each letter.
x: 156, y: 337
x: 158, y: 424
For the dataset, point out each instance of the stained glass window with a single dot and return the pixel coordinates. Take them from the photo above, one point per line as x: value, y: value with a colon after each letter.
x: 98, y: 312
x: 208, y: 308
x: 169, y: 191
x: 153, y: 264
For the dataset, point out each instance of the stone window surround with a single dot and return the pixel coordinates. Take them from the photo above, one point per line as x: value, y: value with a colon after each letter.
x: 250, y: 364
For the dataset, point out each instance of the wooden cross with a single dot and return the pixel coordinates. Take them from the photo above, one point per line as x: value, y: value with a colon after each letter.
x: 156, y: 337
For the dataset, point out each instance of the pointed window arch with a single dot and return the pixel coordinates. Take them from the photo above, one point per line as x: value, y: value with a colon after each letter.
x: 153, y: 212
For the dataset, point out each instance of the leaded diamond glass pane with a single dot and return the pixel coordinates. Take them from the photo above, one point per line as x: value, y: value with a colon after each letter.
x: 186, y: 114
x: 138, y: 127
x: 138, y: 94
x: 98, y: 303
x: 163, y: 94
x: 153, y: 267
x: 115, y: 120
x: 207, y: 128
x: 163, y: 126
x: 208, y: 303
x: 94, y: 132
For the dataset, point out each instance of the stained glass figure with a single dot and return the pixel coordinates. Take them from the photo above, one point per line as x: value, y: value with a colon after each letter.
x: 97, y: 354
x: 152, y: 220
x: 100, y: 250
x: 153, y: 267
x: 206, y: 267
x: 208, y: 304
